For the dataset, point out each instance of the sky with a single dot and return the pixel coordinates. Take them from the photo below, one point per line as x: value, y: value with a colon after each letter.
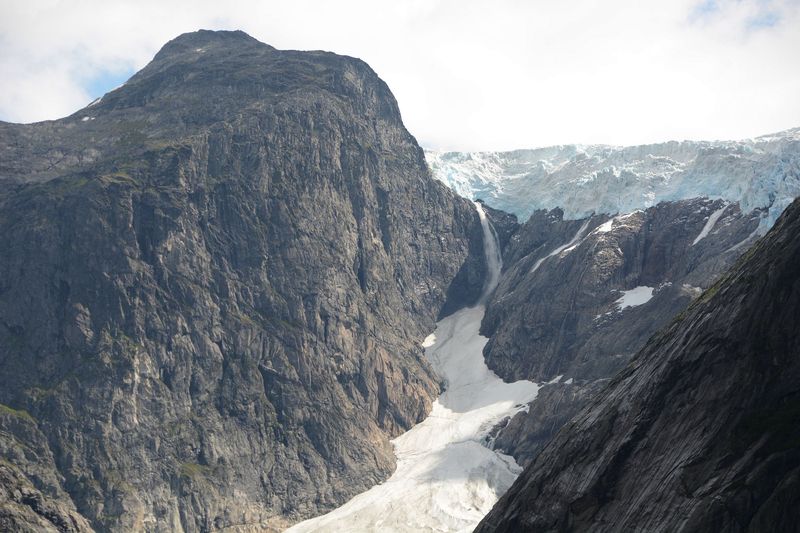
x: 467, y: 74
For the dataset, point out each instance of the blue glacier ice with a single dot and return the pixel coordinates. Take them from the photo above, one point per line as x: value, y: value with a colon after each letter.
x: 583, y: 179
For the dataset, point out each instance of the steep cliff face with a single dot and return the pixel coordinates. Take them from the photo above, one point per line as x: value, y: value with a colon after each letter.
x: 580, y: 297
x: 700, y: 432
x: 213, y: 284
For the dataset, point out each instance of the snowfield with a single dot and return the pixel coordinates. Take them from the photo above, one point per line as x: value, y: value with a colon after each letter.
x: 757, y: 173
x: 635, y: 297
x: 447, y: 479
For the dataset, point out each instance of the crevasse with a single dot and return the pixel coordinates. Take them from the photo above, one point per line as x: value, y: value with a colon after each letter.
x: 757, y: 173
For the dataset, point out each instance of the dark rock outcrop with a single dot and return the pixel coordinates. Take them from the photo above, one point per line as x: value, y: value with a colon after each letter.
x: 700, y: 432
x: 556, y: 311
x: 213, y: 284
x: 31, y: 493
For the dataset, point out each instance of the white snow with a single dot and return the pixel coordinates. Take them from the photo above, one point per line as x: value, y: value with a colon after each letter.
x: 568, y: 247
x: 446, y: 478
x: 636, y: 296
x: 605, y: 227
x: 95, y: 101
x: 757, y: 173
x: 712, y: 221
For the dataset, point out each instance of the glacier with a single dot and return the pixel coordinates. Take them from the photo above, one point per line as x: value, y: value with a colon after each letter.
x: 763, y: 172
x: 448, y: 475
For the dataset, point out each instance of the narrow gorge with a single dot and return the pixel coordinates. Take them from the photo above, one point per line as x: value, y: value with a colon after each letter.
x: 448, y: 476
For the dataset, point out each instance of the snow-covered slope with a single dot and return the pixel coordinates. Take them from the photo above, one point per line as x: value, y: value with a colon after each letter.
x: 447, y: 478
x: 761, y: 172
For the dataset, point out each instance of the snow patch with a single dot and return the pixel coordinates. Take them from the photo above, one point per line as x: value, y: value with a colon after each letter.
x: 635, y: 297
x: 429, y: 341
x: 446, y: 479
x: 568, y: 247
x: 605, y: 227
x: 712, y: 221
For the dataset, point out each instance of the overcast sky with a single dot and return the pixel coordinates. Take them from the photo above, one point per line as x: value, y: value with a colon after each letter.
x: 469, y: 75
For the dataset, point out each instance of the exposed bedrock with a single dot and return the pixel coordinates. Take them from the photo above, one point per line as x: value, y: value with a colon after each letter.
x: 700, y: 431
x: 579, y: 297
x: 214, y: 283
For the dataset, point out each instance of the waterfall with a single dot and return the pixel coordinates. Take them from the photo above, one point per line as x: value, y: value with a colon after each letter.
x: 491, y: 249
x: 447, y: 478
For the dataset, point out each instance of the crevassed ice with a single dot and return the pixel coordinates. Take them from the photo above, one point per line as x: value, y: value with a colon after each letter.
x: 757, y: 173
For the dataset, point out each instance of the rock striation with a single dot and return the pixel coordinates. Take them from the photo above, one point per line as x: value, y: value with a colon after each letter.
x: 700, y: 432
x: 578, y: 298
x: 213, y: 285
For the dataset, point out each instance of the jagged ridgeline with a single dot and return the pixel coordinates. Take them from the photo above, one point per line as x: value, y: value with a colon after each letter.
x: 213, y: 285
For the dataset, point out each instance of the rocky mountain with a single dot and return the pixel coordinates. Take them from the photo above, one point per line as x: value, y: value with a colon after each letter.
x: 700, y: 432
x: 761, y: 173
x: 215, y: 281
x: 213, y: 286
x: 580, y: 295
x: 578, y: 298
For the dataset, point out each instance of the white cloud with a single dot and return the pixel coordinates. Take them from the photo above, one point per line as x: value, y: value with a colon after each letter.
x: 468, y: 74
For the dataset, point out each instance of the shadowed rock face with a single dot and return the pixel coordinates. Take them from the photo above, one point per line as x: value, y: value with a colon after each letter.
x: 557, y: 310
x: 213, y: 284
x: 700, y: 432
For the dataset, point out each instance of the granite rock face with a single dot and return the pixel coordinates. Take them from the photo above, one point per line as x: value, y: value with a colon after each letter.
x: 213, y: 285
x: 578, y: 298
x: 700, y: 432
x: 31, y: 493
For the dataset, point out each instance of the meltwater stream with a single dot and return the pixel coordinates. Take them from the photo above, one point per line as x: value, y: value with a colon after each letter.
x: 446, y: 478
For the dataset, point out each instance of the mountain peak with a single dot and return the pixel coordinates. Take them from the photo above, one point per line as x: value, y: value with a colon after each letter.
x: 203, y: 40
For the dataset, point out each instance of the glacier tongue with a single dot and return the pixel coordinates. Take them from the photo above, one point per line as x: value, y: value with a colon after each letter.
x: 447, y: 479
x: 581, y: 180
